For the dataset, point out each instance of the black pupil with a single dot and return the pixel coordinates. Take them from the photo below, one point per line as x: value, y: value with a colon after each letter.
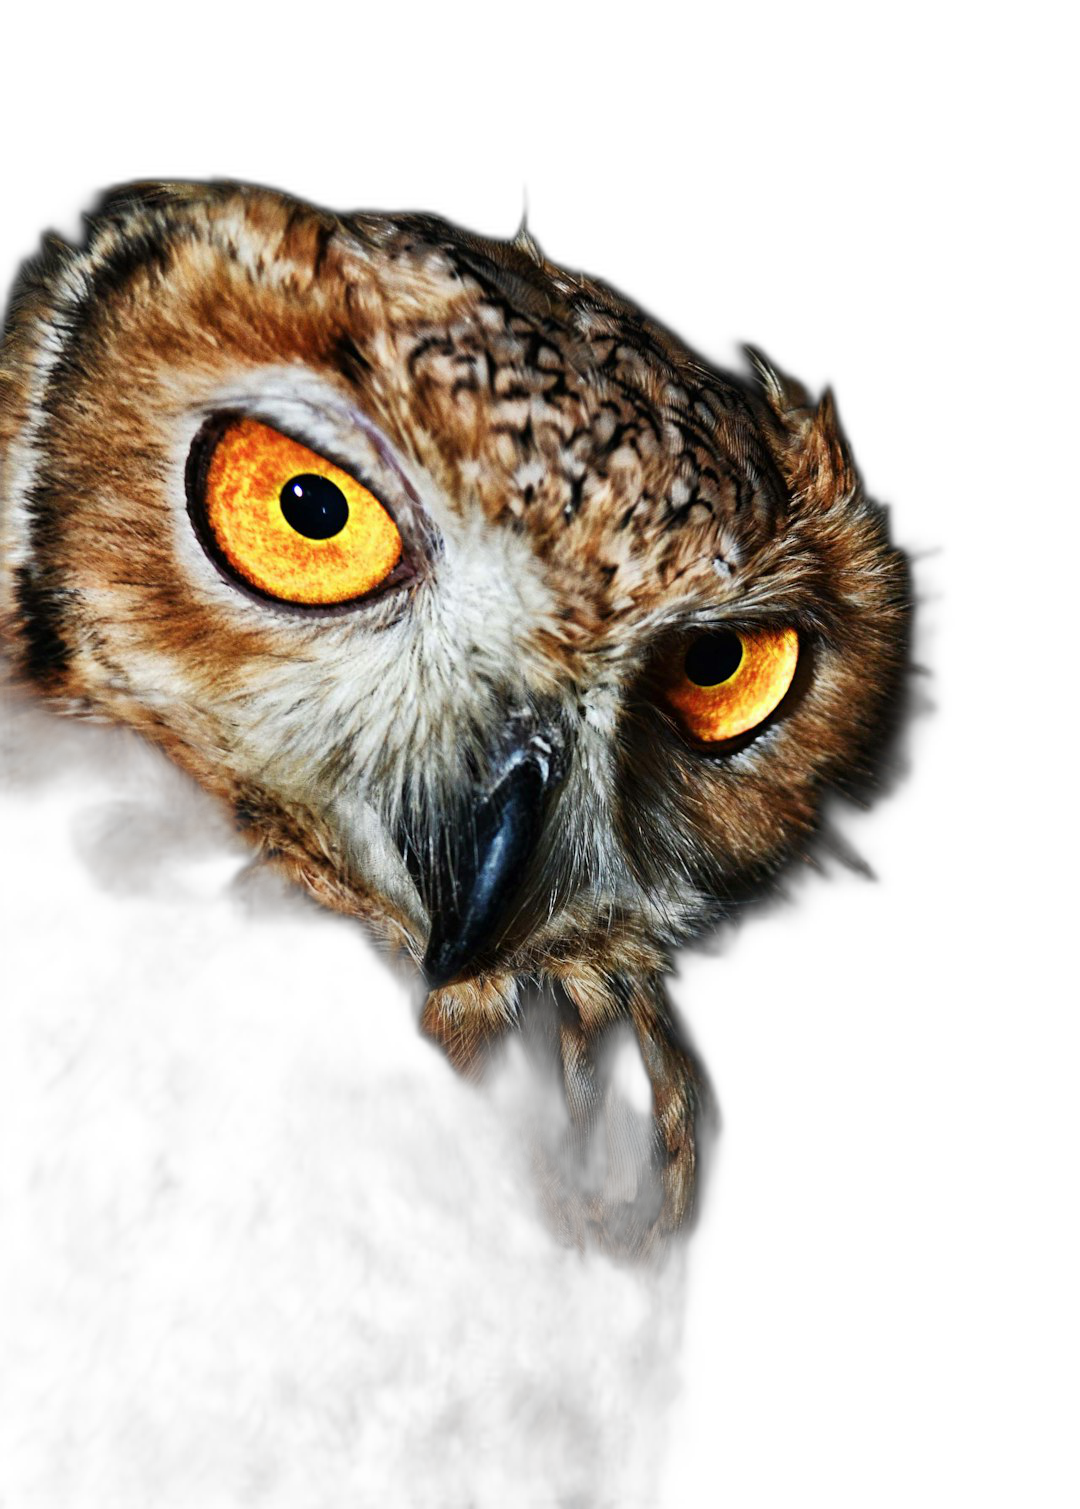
x: 314, y: 506
x: 713, y: 658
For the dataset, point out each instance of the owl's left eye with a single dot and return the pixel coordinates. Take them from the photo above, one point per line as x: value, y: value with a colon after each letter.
x: 286, y: 521
x: 724, y: 683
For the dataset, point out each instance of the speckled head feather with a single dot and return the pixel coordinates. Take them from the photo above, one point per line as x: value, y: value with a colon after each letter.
x: 481, y: 756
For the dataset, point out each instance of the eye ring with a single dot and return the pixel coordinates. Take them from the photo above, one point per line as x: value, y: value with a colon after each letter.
x: 197, y: 478
x: 725, y: 683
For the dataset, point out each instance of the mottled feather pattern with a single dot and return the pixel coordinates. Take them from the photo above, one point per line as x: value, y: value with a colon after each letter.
x: 576, y: 493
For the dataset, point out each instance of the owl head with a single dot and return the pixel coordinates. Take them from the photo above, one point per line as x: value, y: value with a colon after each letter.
x: 497, y: 618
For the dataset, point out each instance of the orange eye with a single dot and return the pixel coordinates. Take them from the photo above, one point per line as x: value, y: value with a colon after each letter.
x: 726, y: 682
x: 290, y: 523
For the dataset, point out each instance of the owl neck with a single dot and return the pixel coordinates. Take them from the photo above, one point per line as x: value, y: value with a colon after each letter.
x: 590, y: 1081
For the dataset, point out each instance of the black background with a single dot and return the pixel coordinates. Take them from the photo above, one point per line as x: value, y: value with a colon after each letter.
x: 828, y: 1304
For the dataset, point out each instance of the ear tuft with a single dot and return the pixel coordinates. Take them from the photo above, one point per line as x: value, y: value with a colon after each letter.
x: 526, y: 242
x: 808, y: 444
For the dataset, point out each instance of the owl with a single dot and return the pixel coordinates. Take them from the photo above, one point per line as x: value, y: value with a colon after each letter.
x: 499, y: 620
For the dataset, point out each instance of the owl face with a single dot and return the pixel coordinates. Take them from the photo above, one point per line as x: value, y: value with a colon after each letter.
x: 496, y: 617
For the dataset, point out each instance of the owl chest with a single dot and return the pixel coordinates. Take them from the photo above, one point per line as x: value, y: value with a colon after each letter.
x: 278, y: 1213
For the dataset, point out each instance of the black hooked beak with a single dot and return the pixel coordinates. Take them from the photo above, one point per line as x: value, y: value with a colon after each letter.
x: 480, y: 870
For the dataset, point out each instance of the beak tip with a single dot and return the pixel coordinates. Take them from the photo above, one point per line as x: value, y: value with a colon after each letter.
x: 442, y: 963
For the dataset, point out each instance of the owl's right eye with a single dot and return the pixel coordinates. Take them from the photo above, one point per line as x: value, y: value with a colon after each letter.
x: 287, y: 522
